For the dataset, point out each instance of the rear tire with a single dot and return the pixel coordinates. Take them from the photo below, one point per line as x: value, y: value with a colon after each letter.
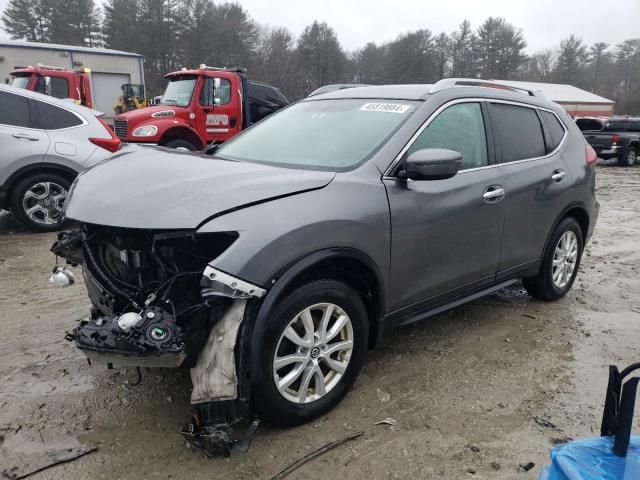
x: 180, y: 144
x: 330, y: 299
x: 553, y: 282
x: 630, y: 159
x: 37, y: 201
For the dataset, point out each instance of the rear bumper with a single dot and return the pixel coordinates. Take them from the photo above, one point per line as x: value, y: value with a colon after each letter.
x: 609, y: 152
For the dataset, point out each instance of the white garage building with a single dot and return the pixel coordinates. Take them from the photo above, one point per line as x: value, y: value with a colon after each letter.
x: 109, y: 68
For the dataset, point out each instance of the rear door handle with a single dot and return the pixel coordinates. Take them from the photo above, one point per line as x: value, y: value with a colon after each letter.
x: 493, y: 193
x: 25, y: 136
x: 558, y: 175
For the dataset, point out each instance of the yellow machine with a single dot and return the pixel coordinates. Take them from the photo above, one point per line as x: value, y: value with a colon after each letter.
x: 132, y: 98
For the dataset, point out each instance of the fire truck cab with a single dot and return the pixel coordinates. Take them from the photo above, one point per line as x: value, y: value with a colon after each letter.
x: 200, y: 107
x: 56, y: 82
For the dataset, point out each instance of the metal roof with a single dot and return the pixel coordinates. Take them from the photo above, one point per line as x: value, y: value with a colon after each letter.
x: 560, y: 93
x: 66, y: 48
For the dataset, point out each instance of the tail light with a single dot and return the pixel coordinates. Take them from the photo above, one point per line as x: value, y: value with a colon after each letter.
x: 111, y: 144
x: 590, y: 154
x: 615, y: 139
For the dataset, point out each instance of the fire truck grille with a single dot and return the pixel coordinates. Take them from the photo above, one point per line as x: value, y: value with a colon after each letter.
x: 121, y: 127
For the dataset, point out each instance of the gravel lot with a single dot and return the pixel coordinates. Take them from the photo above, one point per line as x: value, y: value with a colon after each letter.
x: 465, y: 387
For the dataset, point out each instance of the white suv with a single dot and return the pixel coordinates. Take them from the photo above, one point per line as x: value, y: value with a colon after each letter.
x: 45, y: 143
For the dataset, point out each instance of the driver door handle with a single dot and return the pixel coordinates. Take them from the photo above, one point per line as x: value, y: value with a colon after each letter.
x: 558, y: 175
x: 493, y: 193
x: 25, y: 136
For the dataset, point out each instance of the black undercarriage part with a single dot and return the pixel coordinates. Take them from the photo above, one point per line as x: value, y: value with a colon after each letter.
x: 211, y: 428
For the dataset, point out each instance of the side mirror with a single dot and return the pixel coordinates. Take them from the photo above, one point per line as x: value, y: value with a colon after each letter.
x: 431, y: 164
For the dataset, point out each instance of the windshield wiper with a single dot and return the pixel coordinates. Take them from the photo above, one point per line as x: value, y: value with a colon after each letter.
x: 169, y: 101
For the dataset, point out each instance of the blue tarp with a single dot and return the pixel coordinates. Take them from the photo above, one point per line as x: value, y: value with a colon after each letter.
x: 593, y: 459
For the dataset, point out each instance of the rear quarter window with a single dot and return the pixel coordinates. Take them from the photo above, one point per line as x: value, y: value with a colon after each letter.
x: 519, y: 131
x: 55, y: 118
x: 554, y: 127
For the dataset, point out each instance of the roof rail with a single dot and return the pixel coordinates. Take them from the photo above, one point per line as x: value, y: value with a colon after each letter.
x: 477, y: 82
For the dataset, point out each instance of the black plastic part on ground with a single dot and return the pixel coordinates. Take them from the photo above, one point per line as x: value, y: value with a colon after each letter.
x: 617, y: 417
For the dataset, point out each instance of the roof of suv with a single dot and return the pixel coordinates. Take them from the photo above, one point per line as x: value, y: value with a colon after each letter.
x: 479, y: 87
x: 66, y: 103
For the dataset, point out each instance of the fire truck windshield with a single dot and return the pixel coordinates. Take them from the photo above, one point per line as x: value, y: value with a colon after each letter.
x: 179, y: 91
x: 21, y: 81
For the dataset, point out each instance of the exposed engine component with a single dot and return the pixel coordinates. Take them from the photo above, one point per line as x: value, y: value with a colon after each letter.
x: 157, y: 302
x: 152, y: 334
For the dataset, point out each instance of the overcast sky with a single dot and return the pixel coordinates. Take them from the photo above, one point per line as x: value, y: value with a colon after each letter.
x: 543, y: 22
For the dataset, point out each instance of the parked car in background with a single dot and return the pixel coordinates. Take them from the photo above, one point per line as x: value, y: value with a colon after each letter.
x: 590, y: 123
x: 618, y: 138
x: 312, y: 232
x: 45, y: 143
x: 201, y: 107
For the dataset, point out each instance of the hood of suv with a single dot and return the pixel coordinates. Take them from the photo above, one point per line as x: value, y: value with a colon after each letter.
x: 156, y: 188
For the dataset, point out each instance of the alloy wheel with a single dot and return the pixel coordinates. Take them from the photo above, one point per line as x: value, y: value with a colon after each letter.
x: 565, y: 257
x: 313, y: 353
x: 43, y: 203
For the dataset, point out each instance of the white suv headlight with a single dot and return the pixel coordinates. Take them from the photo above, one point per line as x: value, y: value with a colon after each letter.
x: 146, y: 131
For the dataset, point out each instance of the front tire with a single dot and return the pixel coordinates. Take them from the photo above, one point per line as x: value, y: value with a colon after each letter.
x: 38, y: 200
x: 560, y: 263
x: 180, y: 144
x: 630, y: 159
x: 314, y: 348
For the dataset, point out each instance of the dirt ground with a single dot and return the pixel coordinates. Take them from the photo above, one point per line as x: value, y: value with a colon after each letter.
x: 465, y: 387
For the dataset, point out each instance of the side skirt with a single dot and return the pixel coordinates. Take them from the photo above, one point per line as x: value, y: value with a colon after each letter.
x: 452, y: 304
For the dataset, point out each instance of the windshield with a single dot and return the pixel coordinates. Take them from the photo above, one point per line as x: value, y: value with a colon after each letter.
x: 322, y: 134
x: 179, y: 91
x: 21, y: 81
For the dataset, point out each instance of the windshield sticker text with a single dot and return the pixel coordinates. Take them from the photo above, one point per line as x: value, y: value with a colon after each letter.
x: 385, y: 107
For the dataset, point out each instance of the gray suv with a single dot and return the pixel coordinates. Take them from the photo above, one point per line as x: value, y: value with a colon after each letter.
x: 271, y: 266
x: 45, y: 143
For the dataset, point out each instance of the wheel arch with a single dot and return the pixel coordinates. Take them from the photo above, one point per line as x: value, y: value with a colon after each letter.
x: 35, y: 168
x: 349, y: 265
x: 183, y: 132
x: 576, y: 210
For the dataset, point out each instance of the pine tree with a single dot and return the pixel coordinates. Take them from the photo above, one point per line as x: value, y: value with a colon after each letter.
x: 572, y: 58
x: 26, y: 20
x: 321, y: 57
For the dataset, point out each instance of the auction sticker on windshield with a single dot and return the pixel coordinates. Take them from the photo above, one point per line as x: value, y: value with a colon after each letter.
x: 385, y: 107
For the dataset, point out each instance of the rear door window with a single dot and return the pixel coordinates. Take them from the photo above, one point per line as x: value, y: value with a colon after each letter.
x: 519, y: 131
x: 14, y: 110
x: 459, y: 127
x: 52, y: 117
x: 555, y: 128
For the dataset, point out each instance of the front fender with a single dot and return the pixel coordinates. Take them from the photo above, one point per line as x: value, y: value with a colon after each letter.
x: 276, y: 234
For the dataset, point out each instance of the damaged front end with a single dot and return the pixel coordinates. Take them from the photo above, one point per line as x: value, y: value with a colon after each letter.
x: 156, y: 302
